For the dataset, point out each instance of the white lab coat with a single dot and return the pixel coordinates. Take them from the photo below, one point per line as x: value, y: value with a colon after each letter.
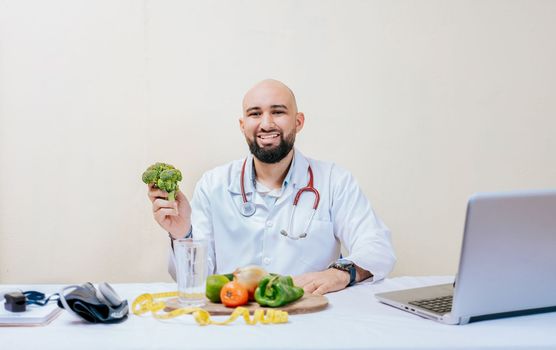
x: 344, y: 216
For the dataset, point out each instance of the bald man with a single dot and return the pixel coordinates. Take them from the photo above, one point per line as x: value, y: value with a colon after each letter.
x: 246, y: 207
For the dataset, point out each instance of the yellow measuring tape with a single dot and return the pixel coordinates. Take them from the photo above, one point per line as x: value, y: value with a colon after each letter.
x: 147, y: 302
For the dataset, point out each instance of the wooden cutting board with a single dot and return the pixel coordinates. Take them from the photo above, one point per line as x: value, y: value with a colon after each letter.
x: 307, y: 304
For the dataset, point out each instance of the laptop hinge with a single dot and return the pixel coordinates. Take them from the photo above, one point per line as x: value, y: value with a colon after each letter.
x: 449, y: 318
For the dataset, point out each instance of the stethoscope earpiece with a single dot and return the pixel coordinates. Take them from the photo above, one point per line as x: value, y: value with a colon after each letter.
x: 248, y: 209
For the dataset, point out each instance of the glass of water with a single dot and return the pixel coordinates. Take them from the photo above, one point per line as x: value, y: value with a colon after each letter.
x: 191, y: 270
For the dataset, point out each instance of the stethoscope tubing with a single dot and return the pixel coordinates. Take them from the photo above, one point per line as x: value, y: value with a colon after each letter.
x: 248, y: 209
x: 308, y: 188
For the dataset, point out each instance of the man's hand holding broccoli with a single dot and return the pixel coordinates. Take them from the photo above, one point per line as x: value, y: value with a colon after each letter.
x: 171, y: 208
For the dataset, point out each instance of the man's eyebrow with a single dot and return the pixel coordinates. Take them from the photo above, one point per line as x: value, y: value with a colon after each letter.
x: 253, y: 109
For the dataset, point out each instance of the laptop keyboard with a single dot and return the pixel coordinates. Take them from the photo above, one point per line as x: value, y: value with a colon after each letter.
x: 439, y: 305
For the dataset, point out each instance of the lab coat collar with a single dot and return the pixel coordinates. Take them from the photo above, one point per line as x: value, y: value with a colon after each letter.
x: 297, y: 176
x: 300, y: 173
x: 235, y: 182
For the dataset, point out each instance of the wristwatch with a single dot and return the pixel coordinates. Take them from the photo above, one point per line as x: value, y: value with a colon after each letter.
x: 347, y: 266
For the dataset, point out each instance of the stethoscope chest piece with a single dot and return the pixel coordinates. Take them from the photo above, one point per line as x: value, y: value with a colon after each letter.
x: 247, y: 209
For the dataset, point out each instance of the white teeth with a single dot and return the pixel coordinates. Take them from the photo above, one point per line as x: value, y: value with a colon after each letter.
x: 268, y: 136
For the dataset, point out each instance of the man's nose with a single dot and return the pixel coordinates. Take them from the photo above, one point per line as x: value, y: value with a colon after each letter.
x: 267, y: 120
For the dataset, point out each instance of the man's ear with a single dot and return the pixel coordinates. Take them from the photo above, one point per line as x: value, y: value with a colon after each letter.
x: 299, y: 121
x: 241, y: 126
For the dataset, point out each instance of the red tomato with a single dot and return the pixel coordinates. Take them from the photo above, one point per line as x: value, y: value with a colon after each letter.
x: 234, y: 294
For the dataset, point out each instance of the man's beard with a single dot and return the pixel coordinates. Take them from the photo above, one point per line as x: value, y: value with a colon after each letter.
x: 272, y: 155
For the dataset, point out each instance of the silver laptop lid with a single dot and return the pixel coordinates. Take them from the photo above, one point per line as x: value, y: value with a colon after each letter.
x: 508, y: 255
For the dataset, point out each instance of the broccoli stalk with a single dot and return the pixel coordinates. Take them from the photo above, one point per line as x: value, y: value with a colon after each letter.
x: 163, y: 176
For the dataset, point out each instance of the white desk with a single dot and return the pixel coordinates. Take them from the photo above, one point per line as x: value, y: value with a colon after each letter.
x: 353, y: 320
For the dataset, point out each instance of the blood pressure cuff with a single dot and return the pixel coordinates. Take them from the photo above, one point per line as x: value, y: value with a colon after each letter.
x: 94, y: 305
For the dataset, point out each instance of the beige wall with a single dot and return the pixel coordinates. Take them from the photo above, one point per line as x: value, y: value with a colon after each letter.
x: 425, y: 101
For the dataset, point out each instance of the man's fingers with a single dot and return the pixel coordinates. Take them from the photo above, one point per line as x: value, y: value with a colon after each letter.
x: 321, y: 282
x: 323, y: 289
x: 310, y: 287
x: 163, y: 212
x: 155, y: 193
x: 162, y: 203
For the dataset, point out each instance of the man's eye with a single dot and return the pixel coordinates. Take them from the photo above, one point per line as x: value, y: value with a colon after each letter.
x: 278, y: 112
x: 254, y: 114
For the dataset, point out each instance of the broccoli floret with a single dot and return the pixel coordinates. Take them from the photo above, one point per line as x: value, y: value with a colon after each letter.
x: 150, y: 176
x: 168, y: 181
x: 163, y: 176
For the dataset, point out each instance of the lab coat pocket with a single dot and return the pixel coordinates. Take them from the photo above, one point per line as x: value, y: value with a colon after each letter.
x: 319, y: 248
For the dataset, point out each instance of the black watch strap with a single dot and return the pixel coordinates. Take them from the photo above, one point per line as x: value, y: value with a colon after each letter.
x: 347, y: 266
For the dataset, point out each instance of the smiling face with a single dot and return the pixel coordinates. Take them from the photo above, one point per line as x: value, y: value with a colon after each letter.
x: 270, y: 121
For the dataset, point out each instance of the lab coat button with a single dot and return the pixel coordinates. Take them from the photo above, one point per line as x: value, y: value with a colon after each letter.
x: 269, y: 223
x: 266, y: 260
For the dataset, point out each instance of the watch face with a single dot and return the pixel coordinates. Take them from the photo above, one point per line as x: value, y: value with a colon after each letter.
x: 344, y: 262
x: 347, y: 266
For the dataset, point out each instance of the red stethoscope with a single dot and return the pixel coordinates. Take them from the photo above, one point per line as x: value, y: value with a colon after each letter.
x: 248, y: 208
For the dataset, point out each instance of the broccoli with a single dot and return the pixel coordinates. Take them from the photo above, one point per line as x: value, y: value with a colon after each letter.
x: 163, y: 176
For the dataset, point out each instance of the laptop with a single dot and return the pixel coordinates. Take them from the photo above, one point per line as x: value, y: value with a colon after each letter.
x: 507, y: 263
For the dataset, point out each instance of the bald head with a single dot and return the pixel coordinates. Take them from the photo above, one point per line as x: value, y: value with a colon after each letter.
x: 269, y: 92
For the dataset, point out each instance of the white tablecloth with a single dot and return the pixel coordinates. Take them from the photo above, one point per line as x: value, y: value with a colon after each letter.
x: 353, y: 320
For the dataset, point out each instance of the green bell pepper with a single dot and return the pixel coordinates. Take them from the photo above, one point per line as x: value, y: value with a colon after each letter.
x: 276, y: 290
